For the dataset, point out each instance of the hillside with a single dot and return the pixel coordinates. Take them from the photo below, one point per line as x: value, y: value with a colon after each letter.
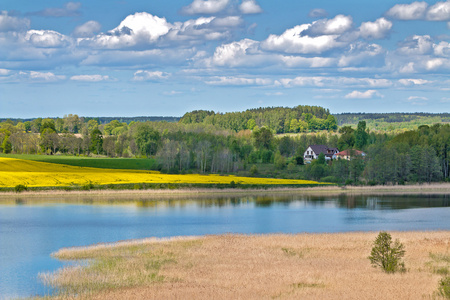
x: 392, y: 121
x: 278, y: 119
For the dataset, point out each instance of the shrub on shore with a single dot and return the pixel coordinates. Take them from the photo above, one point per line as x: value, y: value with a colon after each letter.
x: 386, y: 254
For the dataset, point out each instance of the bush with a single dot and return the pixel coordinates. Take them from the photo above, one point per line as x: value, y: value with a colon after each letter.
x: 386, y: 254
x: 20, y: 188
x: 254, y: 170
x: 444, y: 287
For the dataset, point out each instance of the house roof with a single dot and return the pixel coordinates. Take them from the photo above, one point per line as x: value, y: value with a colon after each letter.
x: 319, y: 148
x: 322, y: 149
x: 353, y: 152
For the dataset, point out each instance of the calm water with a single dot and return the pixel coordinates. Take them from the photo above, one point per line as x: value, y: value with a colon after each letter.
x: 30, y: 231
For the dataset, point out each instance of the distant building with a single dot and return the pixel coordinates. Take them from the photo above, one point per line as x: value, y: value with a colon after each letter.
x: 313, y: 151
x: 349, y: 154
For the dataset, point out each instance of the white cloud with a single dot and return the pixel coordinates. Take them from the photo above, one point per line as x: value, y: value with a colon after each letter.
x: 4, y: 72
x: 435, y: 63
x: 90, y: 78
x: 363, y: 54
x: 369, y: 94
x: 142, y: 75
x: 70, y: 9
x: 205, y: 7
x: 140, y: 28
x: 442, y: 49
x: 143, y: 30
x: 239, y: 81
x: 309, y: 62
x: 416, y: 45
x: 47, y: 39
x: 235, y: 54
x: 439, y: 12
x: 318, y: 13
x: 411, y: 98
x: 45, y: 76
x: 412, y: 82
x: 32, y: 76
x: 87, y: 29
x: 375, y: 30
x: 413, y: 11
x: 293, y: 40
x: 420, y: 11
x: 337, y: 25
x: 10, y: 23
x: 250, y: 7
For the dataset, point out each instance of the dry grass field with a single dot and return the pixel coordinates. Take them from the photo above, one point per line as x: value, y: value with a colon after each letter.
x: 302, y: 266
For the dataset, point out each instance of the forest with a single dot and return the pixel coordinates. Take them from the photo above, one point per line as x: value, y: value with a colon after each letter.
x: 208, y: 142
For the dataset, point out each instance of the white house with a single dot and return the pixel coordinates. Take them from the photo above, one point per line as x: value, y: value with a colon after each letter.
x: 313, y: 151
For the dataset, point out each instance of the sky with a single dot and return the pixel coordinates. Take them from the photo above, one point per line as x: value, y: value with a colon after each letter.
x: 166, y: 58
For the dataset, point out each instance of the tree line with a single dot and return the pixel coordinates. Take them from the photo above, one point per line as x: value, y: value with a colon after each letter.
x: 301, y: 118
x: 420, y: 155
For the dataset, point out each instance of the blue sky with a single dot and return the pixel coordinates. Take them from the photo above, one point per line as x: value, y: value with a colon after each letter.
x: 148, y: 58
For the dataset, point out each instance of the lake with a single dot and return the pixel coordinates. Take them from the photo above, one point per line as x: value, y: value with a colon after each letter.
x: 31, y: 230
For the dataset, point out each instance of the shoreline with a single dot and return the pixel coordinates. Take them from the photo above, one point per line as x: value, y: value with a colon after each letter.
x: 417, y: 189
x: 276, y: 266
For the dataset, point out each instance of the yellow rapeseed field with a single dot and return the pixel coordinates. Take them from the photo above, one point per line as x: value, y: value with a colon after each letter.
x: 39, y: 174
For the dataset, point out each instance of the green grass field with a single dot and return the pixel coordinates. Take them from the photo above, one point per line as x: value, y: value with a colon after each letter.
x: 93, y: 162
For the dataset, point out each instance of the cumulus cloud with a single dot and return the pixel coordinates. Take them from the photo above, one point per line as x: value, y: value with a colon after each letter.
x: 413, y: 82
x: 442, y: 49
x: 413, y: 11
x: 375, y: 30
x: 4, y: 72
x: 142, y: 75
x: 439, y: 12
x: 32, y: 76
x: 416, y: 45
x: 294, y: 41
x: 70, y: 9
x: 205, y: 7
x: 88, y: 29
x: 90, y: 78
x: 420, y: 11
x: 318, y: 13
x: 361, y: 53
x: 413, y: 98
x: 11, y: 23
x: 250, y: 7
x: 235, y: 53
x: 144, y: 30
x: 47, y: 39
x: 239, y: 81
x: 435, y: 63
x: 337, y: 25
x: 369, y: 94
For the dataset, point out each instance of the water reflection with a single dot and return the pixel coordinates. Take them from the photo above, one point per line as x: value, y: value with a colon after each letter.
x: 340, y: 201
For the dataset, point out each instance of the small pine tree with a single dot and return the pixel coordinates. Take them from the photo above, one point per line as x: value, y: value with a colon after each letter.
x: 386, y: 254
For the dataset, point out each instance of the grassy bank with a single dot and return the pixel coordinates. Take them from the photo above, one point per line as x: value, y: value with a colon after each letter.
x: 117, y: 194
x: 302, y: 266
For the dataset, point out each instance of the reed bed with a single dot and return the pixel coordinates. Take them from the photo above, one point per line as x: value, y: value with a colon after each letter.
x: 301, y: 266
